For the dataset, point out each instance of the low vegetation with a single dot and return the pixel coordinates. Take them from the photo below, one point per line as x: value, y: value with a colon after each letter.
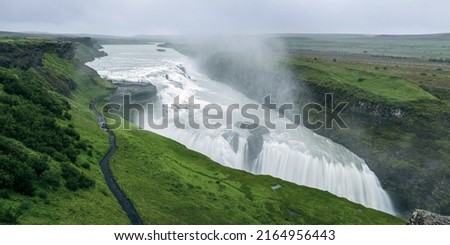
x: 366, y: 84
x: 170, y: 184
x: 50, y: 143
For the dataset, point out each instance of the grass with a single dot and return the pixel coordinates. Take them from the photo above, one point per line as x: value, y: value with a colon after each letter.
x: 368, y: 84
x: 170, y: 184
x: 91, y: 206
x: 97, y: 206
x: 402, y: 46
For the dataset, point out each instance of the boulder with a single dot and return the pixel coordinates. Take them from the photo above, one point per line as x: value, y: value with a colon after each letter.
x: 423, y: 217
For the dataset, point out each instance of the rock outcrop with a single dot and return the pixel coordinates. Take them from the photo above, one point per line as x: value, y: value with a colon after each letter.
x: 141, y: 93
x: 255, y: 140
x: 423, y: 217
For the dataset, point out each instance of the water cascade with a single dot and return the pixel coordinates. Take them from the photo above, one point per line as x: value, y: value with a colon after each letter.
x: 298, y: 155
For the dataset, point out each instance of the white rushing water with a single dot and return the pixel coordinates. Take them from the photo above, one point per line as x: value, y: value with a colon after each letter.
x: 298, y: 155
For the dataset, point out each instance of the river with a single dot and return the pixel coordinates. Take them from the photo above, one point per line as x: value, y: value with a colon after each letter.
x: 296, y: 155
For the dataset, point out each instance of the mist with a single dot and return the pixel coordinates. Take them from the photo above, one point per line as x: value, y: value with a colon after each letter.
x: 253, y: 65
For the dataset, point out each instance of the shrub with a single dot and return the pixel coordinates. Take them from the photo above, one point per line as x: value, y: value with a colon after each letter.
x: 51, y: 178
x: 42, y: 194
x: 75, y: 179
x: 67, y: 116
x: 10, y: 215
x: 6, y: 179
x: 4, y: 193
x: 40, y: 164
x: 30, y: 135
x: 24, y: 179
x: 16, y: 175
x: 86, y: 165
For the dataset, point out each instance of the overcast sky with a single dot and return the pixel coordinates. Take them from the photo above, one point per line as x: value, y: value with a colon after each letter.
x: 131, y: 17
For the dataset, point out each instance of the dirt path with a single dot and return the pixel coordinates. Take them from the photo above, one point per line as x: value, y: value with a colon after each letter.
x: 126, y: 204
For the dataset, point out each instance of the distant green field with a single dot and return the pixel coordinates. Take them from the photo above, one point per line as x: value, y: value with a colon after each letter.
x: 369, y: 84
x: 407, y: 46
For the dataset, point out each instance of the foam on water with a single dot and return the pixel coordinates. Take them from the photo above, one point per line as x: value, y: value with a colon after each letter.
x: 298, y: 156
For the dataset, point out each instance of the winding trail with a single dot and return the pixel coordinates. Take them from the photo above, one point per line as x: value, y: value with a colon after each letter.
x: 126, y: 204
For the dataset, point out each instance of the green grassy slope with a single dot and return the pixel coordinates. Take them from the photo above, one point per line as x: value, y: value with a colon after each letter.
x: 170, y: 184
x: 97, y: 206
x: 368, y: 83
x: 57, y: 204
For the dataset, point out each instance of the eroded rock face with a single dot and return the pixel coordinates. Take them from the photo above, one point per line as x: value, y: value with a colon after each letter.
x: 255, y: 140
x: 255, y: 145
x: 139, y: 92
x: 31, y: 54
x: 233, y: 140
x: 423, y: 217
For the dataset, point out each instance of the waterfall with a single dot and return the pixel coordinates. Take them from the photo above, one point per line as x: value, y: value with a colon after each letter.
x: 299, y: 156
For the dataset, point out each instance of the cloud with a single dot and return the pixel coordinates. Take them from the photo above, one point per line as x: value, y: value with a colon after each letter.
x: 221, y: 17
